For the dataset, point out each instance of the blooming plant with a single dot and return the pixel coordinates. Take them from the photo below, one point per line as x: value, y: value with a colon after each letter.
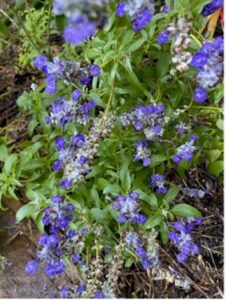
x: 117, y: 117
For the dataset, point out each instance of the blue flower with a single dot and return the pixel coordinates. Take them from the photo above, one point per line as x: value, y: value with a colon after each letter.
x: 163, y: 37
x: 210, y: 8
x: 64, y: 291
x: 79, y: 31
x: 31, y: 267
x: 55, y: 268
x: 158, y: 181
x: 200, y: 95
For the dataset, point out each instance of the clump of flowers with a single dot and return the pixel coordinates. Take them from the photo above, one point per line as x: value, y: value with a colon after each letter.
x: 128, y: 208
x: 181, y: 238
x: 210, y: 8
x: 84, y: 18
x: 74, y: 157
x: 98, y: 280
x: 150, y: 119
x: 179, y: 30
x: 185, y: 152
x: 140, y: 12
x: 64, y: 70
x: 209, y: 63
x: 158, y: 183
x: 142, y: 153
x: 60, y: 241
x: 63, y: 111
x: 145, y: 247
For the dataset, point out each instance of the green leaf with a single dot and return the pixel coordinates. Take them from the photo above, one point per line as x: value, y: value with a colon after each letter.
x: 153, y: 221
x: 25, y: 211
x: 171, y: 195
x: 149, y: 198
x: 10, y: 161
x: 136, y: 45
x: 3, y: 151
x: 99, y: 215
x: 129, y: 262
x: 124, y: 176
x: 216, y: 167
x: 95, y: 196
x: 187, y: 210
x: 164, y: 231
x: 213, y: 155
x: 3, y: 29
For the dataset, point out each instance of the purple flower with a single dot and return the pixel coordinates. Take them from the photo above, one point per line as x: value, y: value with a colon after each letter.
x: 56, y: 199
x: 78, y: 140
x: 199, y: 60
x: 142, y: 152
x: 158, y: 181
x: 31, y: 267
x: 210, y: 8
x: 163, y: 37
x: 94, y: 70
x: 142, y: 19
x: 43, y: 239
x: 60, y: 143
x: 40, y: 62
x: 181, y: 257
x: 66, y: 183
x: 64, y: 292
x: 53, y: 241
x: 200, y: 95
x: 185, y: 152
x: 99, y: 294
x: 141, y: 252
x: 120, y: 10
x: 75, y: 258
x: 76, y: 95
x: 79, y: 31
x: 55, y: 268
x: 57, y: 165
x: 81, y: 288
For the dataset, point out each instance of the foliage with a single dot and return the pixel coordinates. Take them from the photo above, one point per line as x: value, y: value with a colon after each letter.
x: 135, y: 71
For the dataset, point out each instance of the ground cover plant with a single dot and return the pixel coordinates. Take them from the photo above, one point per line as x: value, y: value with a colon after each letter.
x: 123, y: 113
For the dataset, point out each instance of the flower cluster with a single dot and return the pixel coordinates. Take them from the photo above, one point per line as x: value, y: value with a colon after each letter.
x: 145, y: 248
x: 158, y: 182
x: 128, y: 208
x: 195, y: 193
x: 84, y: 18
x: 64, y: 70
x: 180, y: 31
x: 209, y: 63
x: 140, y: 12
x: 58, y: 242
x: 63, y: 111
x: 74, y: 158
x: 185, y: 152
x: 210, y: 8
x: 181, y: 238
x: 151, y: 119
x: 142, y: 152
x: 95, y: 282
